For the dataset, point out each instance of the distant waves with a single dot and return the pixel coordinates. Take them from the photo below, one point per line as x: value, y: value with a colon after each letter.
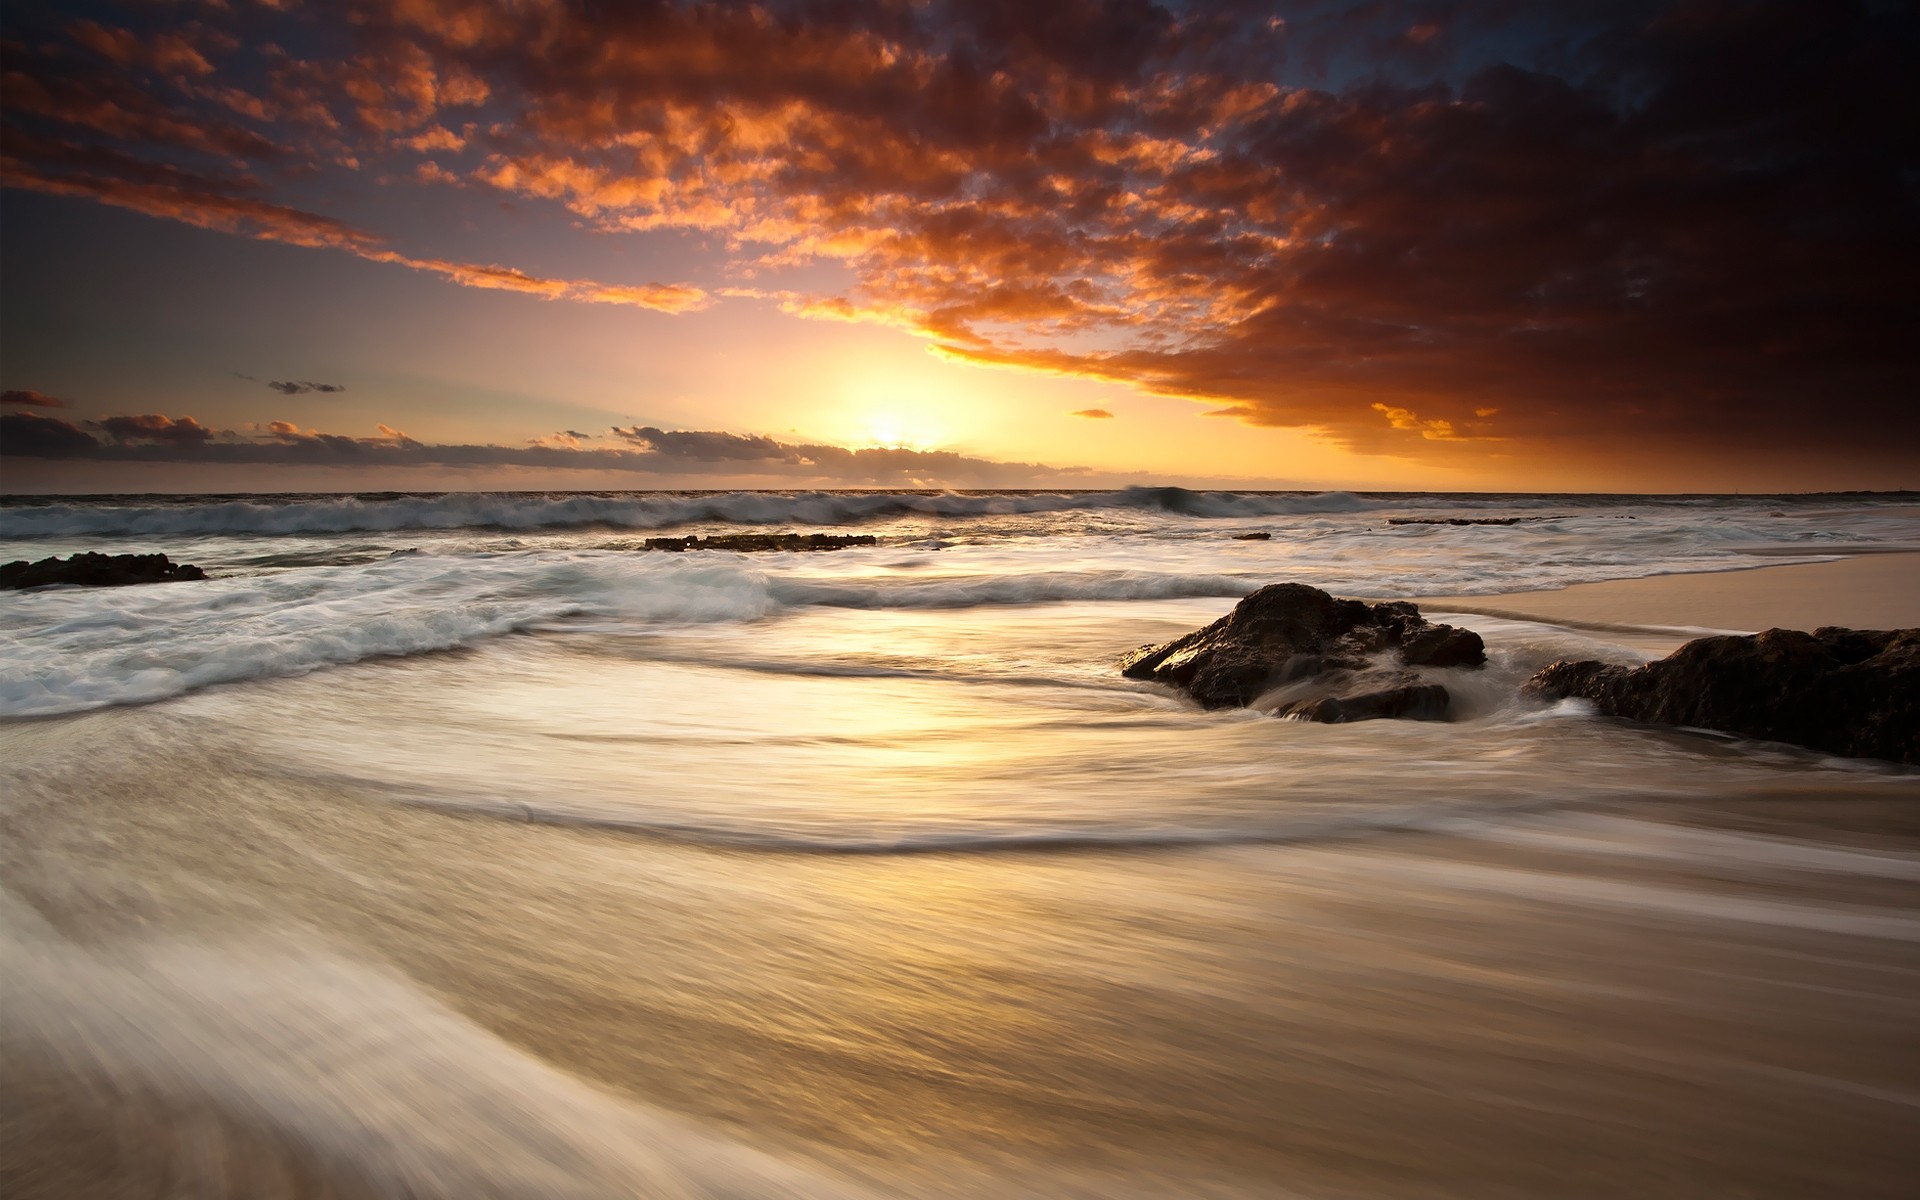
x: 509, y: 510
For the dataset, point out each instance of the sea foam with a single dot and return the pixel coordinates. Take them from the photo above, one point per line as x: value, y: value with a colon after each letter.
x: 68, y: 650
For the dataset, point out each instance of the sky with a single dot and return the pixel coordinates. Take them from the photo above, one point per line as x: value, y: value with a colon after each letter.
x: 1591, y: 245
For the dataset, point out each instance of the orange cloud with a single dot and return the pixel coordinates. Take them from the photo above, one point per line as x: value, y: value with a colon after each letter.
x: 1402, y: 418
x: 278, y: 223
x: 1176, y: 202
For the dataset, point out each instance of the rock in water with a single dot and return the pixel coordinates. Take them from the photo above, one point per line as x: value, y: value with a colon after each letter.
x: 1844, y: 691
x: 1414, y: 702
x: 97, y: 570
x: 756, y: 542
x: 1289, y: 631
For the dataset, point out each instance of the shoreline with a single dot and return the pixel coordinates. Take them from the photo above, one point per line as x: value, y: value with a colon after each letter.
x: 1866, y: 591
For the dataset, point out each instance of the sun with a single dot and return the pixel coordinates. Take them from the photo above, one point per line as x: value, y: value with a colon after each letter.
x: 902, y: 431
x: 898, y: 414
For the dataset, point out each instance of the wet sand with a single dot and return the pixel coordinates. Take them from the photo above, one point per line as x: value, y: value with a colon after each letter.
x: 1868, y: 591
x: 406, y: 1003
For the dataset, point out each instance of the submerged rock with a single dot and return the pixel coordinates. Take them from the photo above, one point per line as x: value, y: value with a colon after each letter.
x: 97, y: 570
x: 750, y: 542
x: 1413, y: 702
x: 1844, y: 691
x: 1287, y: 632
x: 1469, y: 520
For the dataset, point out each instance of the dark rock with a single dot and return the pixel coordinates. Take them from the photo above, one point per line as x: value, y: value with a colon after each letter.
x: 1443, y: 646
x: 1289, y: 631
x: 1412, y: 702
x: 97, y: 570
x: 1468, y: 520
x: 753, y: 542
x: 1262, y: 536
x: 1845, y: 691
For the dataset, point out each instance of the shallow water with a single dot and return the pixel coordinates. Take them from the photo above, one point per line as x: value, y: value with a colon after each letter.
x: 554, y: 870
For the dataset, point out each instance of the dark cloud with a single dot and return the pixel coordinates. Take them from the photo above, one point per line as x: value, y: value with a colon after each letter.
x: 152, y: 438
x: 31, y: 399
x: 302, y: 387
x: 154, y: 427
x: 1619, y: 223
x: 1096, y: 413
x: 704, y: 447
x: 29, y: 435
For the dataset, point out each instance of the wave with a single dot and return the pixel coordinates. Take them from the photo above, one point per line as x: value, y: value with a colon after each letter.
x: 497, y: 510
x: 72, y: 650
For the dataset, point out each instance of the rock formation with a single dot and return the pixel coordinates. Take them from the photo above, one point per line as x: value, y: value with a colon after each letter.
x: 1469, y: 520
x: 1288, y: 632
x: 1844, y: 691
x: 97, y: 570
x: 749, y: 542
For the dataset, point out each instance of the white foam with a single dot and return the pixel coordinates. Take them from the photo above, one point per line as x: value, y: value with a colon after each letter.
x: 64, y: 650
x: 72, y: 649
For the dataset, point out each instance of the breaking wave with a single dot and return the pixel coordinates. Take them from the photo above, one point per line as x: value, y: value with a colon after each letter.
x: 508, y: 510
x: 92, y: 648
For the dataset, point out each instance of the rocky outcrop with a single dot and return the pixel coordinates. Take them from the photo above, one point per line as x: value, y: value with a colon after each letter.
x: 97, y: 570
x: 1844, y: 691
x: 753, y: 542
x: 1289, y: 632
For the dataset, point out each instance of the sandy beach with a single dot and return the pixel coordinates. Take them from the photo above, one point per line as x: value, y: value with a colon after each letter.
x: 1864, y: 591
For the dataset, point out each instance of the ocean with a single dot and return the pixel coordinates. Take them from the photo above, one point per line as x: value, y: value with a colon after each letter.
x: 457, y: 845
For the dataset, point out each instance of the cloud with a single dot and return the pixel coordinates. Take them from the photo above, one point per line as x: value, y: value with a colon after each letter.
x: 31, y: 399
x: 249, y: 217
x: 1614, y: 225
x: 1097, y: 413
x: 302, y: 387
x: 29, y: 435
x: 640, y: 450
x: 154, y: 427
x: 1407, y: 419
x: 704, y: 447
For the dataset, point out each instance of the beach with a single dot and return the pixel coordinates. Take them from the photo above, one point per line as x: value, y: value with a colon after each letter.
x: 865, y: 874
x: 1865, y: 591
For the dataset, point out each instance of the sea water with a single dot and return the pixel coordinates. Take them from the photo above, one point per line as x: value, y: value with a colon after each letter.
x: 458, y: 845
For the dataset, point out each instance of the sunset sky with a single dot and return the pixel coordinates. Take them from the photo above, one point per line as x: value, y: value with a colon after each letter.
x: 1588, y: 245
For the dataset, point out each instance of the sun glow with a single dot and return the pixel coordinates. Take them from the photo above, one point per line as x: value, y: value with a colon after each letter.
x: 916, y: 415
x: 895, y: 430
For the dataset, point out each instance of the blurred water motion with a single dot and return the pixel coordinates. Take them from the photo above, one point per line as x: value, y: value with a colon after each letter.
x: 933, y: 904
x: 529, y: 866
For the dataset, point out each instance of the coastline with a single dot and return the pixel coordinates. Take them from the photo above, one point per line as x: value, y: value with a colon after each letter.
x: 1865, y: 591
x: 681, y: 901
